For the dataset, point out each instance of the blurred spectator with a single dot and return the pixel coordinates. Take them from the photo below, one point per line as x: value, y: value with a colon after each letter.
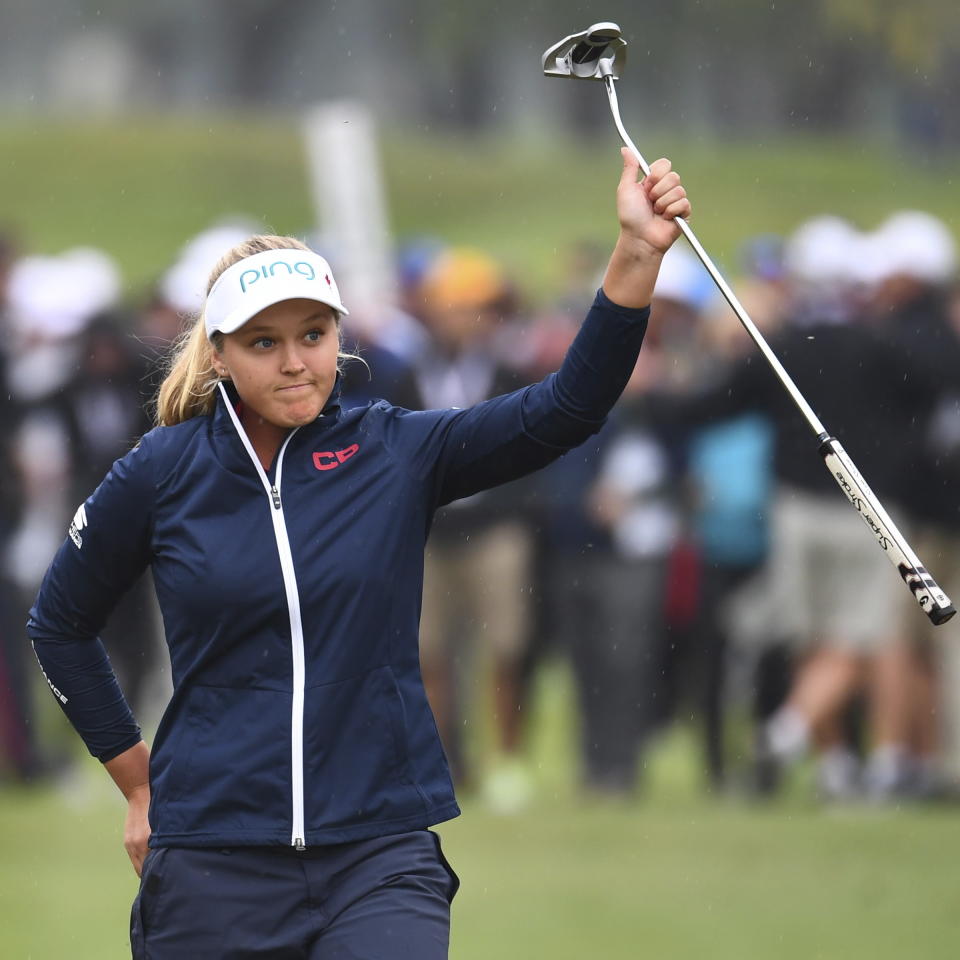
x: 381, y: 375
x: 385, y: 369
x: 572, y: 549
x: 730, y: 475
x: 19, y: 751
x: 180, y: 291
x: 48, y: 303
x: 625, y: 667
x: 833, y: 589
x: 729, y: 472
x: 184, y: 285
x: 390, y: 336
x: 912, y: 261
x: 104, y: 408
x: 478, y: 557
x: 619, y: 665
x: 763, y: 288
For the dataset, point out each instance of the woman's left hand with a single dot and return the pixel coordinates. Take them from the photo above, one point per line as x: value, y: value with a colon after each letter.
x: 646, y: 208
x: 136, y: 829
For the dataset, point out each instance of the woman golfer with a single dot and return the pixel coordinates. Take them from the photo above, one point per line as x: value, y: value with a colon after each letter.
x: 297, y: 767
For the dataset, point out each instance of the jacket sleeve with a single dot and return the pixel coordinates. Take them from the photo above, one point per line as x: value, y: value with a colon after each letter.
x: 107, y: 548
x: 510, y: 436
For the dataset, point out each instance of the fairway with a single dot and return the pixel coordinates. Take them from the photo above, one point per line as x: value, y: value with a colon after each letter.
x: 565, y: 881
x: 141, y: 188
x: 675, y: 875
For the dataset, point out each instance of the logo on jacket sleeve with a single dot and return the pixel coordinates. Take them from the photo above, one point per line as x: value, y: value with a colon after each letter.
x: 50, y: 683
x: 78, y: 524
x: 331, y: 459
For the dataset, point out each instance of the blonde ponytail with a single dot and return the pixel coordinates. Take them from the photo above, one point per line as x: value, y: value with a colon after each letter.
x: 189, y: 388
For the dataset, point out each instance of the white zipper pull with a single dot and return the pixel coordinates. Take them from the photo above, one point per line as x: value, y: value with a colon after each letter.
x: 299, y: 845
x: 275, y: 493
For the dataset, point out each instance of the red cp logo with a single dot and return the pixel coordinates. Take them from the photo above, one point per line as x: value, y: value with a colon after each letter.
x: 330, y: 460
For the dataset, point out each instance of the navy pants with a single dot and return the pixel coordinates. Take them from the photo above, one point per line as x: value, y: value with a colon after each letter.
x: 381, y: 899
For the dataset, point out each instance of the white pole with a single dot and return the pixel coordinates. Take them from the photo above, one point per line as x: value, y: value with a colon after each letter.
x: 350, y: 204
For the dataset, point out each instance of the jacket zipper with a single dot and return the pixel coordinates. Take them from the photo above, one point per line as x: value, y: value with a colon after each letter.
x: 298, y: 832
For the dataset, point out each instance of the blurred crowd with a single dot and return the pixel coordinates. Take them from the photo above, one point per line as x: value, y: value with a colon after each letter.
x: 693, y: 562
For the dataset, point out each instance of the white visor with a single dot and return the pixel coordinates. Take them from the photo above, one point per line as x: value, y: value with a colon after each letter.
x: 264, y: 279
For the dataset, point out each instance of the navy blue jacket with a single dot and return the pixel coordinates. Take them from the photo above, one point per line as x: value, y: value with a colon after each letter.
x: 291, y: 601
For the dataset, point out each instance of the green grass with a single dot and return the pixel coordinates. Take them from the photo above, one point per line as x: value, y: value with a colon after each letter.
x: 567, y: 882
x: 140, y: 187
x: 675, y: 875
x: 704, y: 881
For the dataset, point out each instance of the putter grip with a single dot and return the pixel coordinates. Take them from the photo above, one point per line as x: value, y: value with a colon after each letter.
x: 933, y: 601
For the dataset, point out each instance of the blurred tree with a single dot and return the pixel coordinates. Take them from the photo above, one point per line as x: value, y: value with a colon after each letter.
x: 726, y: 67
x: 920, y: 43
x: 921, y: 35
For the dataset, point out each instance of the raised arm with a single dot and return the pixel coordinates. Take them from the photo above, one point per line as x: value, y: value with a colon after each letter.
x: 502, y: 439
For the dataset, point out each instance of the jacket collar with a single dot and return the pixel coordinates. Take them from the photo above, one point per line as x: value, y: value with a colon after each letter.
x: 231, y: 451
x: 222, y: 422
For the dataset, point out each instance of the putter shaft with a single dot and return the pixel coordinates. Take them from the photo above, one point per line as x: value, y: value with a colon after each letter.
x: 728, y: 294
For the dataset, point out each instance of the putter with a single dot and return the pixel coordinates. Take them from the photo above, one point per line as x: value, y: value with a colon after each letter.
x: 600, y: 53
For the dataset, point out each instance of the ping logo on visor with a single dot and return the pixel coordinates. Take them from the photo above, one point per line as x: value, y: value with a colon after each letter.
x: 251, y: 276
x: 266, y: 278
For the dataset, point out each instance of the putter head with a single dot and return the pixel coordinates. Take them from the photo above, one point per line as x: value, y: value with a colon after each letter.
x: 596, y: 53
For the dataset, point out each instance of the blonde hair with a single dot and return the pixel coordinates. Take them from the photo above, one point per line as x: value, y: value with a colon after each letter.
x: 189, y: 387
